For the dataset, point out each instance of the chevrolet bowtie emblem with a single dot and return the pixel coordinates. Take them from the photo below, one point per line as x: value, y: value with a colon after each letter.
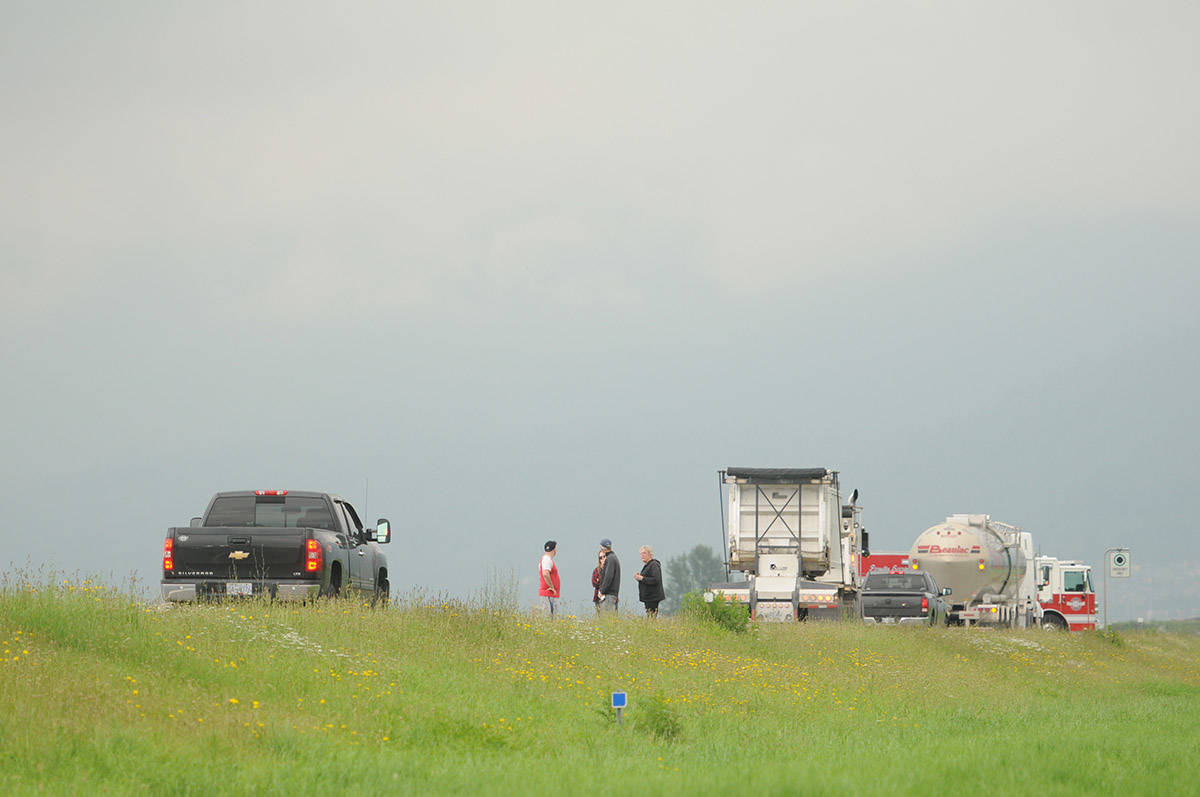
x: 238, y: 554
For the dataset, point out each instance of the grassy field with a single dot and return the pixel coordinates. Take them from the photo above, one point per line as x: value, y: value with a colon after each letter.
x: 102, y: 693
x: 1190, y: 626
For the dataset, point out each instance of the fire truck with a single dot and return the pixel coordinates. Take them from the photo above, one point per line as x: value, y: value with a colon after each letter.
x: 1065, y: 594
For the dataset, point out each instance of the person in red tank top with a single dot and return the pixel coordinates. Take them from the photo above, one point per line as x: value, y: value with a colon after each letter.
x: 549, y: 585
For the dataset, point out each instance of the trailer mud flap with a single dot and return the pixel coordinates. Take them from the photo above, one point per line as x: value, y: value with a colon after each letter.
x: 776, y: 611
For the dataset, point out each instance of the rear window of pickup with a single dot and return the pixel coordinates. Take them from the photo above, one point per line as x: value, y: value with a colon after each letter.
x: 278, y: 512
x: 890, y: 581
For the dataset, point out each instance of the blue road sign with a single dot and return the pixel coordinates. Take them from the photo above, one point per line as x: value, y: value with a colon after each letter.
x: 619, y: 700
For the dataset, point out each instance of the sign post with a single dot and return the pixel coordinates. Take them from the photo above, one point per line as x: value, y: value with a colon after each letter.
x: 1118, y: 567
x: 619, y: 701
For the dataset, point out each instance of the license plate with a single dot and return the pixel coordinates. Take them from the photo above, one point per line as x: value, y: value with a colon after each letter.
x: 239, y: 588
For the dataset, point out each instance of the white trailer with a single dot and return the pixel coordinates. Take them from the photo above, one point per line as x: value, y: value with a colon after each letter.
x: 793, y: 540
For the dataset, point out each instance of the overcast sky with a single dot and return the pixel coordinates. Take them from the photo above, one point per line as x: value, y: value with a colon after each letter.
x: 538, y: 271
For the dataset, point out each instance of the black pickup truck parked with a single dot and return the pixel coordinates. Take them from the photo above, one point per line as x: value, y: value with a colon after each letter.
x: 911, y: 597
x: 288, y: 545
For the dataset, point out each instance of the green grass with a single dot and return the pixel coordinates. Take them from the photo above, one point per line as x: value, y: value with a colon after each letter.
x: 101, y: 693
x: 1191, y: 626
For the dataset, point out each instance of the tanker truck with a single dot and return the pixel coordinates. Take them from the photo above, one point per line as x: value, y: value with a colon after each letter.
x: 793, y: 541
x: 988, y: 567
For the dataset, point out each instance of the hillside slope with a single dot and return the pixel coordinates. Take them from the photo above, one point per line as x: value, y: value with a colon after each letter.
x: 102, y: 693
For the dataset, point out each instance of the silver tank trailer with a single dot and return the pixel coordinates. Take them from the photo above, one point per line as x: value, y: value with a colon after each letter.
x: 979, y: 560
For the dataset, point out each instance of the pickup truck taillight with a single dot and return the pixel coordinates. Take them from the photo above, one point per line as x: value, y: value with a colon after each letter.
x: 314, y: 557
x: 924, y: 604
x: 169, y: 554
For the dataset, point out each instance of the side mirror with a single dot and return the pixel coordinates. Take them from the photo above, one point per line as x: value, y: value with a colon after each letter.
x: 946, y: 590
x: 866, y: 543
x: 383, y: 531
x: 196, y: 522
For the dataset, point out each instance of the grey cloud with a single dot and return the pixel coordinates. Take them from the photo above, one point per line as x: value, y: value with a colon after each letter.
x: 477, y: 253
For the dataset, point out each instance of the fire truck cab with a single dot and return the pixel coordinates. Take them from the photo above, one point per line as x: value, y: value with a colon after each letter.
x: 1065, y: 594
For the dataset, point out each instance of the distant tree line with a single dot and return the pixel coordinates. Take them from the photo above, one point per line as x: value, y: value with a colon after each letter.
x: 697, y: 569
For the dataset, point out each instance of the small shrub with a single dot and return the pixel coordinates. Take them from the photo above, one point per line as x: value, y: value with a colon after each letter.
x: 728, y: 614
x: 656, y: 716
x: 606, y: 712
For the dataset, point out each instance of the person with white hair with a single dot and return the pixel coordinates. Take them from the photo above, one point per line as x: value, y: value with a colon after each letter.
x: 650, y: 583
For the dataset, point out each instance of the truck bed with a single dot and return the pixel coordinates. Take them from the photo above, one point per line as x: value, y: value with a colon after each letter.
x: 890, y: 607
x: 215, y: 557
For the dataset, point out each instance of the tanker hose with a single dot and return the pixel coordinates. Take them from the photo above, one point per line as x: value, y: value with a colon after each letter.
x: 1007, y: 554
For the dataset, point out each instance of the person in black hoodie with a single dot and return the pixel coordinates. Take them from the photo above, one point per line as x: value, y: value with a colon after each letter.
x: 650, y: 583
x: 610, y: 579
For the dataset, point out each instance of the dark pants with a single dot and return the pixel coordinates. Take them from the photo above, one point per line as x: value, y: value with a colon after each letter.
x: 652, y: 608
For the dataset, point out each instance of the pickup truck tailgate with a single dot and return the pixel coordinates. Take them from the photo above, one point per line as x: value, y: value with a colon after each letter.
x: 891, y: 604
x: 240, y: 553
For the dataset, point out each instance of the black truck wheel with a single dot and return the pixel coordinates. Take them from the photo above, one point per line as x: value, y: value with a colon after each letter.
x: 1052, y: 622
x: 382, y: 596
x: 334, y: 588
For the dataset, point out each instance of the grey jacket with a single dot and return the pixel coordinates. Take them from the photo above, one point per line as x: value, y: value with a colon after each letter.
x: 610, y: 576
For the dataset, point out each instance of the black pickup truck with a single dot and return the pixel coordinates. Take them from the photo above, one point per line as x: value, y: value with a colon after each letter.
x: 288, y: 545
x: 911, y: 597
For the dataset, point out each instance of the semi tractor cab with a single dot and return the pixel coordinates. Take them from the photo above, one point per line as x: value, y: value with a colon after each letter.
x: 1065, y: 594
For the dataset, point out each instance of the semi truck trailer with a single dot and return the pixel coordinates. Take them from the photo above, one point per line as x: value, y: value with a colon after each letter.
x: 792, y: 541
